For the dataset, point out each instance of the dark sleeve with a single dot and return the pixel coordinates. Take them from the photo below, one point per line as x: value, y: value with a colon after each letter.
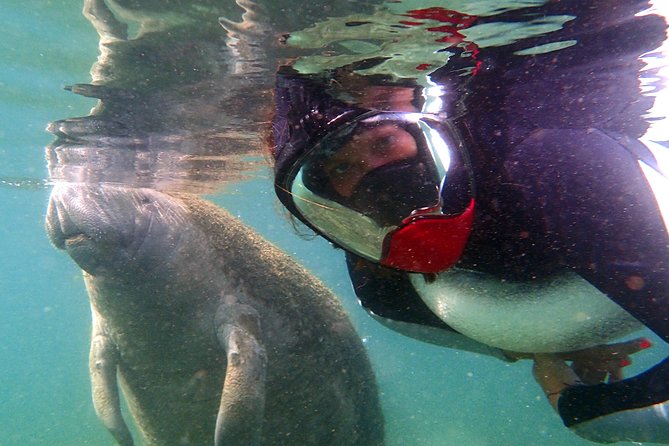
x: 630, y: 410
x: 602, y: 217
x: 597, y: 207
x: 564, y: 139
x: 562, y: 147
x: 645, y: 389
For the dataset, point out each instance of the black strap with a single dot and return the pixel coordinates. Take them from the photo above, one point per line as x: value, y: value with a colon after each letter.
x: 388, y: 293
x: 579, y: 404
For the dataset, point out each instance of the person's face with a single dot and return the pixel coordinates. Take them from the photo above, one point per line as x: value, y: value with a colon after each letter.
x: 365, y: 152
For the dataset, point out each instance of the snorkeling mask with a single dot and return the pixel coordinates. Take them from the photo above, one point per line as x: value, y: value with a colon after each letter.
x: 395, y: 188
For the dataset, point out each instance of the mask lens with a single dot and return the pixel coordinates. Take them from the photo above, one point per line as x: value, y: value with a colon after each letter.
x: 362, y: 181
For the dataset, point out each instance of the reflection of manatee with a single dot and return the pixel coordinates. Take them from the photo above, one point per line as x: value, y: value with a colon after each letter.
x: 214, y: 332
x: 181, y: 100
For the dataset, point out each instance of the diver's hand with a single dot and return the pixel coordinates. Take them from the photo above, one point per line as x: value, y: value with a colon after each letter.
x: 594, y: 365
x: 553, y: 375
x: 589, y: 366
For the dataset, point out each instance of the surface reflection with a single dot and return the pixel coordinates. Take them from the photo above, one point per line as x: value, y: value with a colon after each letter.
x: 174, y: 109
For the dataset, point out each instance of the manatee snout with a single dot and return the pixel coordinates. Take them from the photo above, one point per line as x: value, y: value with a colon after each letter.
x: 96, y: 225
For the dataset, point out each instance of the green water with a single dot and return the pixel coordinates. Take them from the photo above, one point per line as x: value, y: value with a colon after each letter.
x: 431, y: 396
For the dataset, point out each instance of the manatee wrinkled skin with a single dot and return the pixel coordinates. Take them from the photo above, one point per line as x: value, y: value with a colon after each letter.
x: 215, y: 336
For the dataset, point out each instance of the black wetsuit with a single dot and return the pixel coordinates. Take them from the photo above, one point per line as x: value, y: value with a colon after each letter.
x: 553, y: 140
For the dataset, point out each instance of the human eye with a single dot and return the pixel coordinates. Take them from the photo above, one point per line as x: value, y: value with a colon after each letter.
x: 340, y: 168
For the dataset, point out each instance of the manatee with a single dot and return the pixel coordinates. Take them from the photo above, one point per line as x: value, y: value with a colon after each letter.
x: 214, y: 335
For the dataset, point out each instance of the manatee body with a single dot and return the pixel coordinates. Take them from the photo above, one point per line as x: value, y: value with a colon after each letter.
x: 215, y: 336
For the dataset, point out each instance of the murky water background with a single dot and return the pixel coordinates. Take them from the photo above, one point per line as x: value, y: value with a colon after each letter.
x: 430, y: 395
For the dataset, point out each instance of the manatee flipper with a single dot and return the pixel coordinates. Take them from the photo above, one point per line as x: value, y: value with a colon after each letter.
x: 103, y: 364
x: 241, y: 411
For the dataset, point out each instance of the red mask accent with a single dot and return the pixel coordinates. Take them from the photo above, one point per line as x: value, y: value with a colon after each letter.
x: 428, y: 243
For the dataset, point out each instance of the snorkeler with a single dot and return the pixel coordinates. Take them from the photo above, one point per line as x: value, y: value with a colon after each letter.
x: 518, y: 214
